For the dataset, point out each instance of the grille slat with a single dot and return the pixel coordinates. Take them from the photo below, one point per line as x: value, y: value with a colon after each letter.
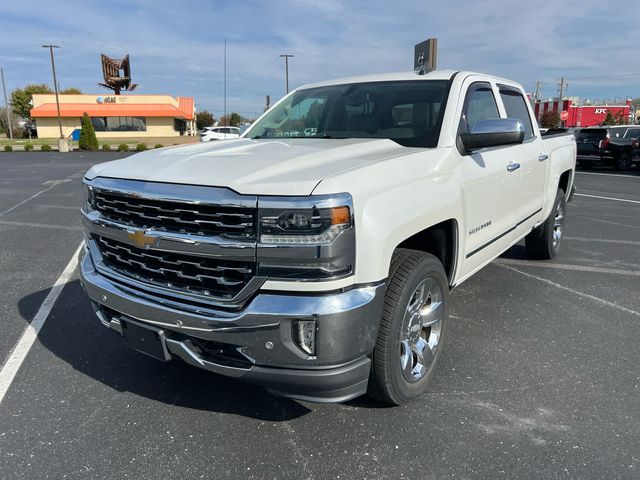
x: 176, y: 216
x: 189, y: 273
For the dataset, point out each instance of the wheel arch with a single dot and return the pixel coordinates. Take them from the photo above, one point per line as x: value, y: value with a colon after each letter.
x: 441, y: 241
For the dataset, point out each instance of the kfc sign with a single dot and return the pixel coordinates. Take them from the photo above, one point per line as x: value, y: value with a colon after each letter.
x: 600, y: 111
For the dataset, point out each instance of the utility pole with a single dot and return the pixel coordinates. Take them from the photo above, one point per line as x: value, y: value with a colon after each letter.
x: 225, y: 84
x: 536, y: 96
x: 55, y: 84
x: 286, y: 69
x: 6, y: 106
x: 562, y: 88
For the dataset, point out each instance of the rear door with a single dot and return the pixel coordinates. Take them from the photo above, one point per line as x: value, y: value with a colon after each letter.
x: 531, y: 159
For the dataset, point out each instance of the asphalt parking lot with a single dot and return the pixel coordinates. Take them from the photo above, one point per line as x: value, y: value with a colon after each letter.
x: 540, y: 377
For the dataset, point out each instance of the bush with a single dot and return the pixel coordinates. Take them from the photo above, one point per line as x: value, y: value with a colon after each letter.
x: 141, y: 147
x: 8, y: 148
x: 45, y: 148
x: 88, y: 140
x: 106, y: 147
x: 28, y: 147
x: 159, y: 145
x: 123, y: 147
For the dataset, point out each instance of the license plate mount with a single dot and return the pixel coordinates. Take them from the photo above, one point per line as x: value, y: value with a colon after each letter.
x: 145, y: 339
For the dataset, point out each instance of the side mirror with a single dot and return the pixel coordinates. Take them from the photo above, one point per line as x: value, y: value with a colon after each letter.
x: 493, y: 133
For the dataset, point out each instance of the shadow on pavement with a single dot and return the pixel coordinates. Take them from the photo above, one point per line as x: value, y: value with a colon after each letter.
x: 74, y: 334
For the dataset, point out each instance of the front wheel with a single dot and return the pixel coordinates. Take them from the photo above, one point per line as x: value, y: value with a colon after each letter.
x: 412, y: 328
x: 543, y: 243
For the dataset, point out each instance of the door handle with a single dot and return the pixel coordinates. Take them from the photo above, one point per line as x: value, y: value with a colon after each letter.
x: 542, y: 157
x: 513, y: 166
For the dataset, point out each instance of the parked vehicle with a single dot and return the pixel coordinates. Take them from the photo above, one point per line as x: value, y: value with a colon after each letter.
x: 615, y: 145
x: 321, y: 266
x: 219, y: 133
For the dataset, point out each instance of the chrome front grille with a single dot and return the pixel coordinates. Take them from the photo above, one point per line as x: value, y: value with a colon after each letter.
x: 177, y: 271
x: 175, y: 216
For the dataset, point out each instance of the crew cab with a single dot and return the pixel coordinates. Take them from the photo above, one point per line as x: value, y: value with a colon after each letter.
x: 618, y: 146
x: 315, y: 255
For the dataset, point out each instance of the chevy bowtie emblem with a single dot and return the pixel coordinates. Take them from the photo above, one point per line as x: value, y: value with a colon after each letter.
x: 140, y: 239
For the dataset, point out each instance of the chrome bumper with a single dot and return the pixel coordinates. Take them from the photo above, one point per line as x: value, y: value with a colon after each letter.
x: 347, y: 326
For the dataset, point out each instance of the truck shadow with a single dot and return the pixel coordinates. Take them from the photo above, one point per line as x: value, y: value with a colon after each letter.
x: 73, y: 333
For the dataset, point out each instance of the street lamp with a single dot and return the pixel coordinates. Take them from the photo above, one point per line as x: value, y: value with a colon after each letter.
x: 55, y: 85
x: 286, y: 68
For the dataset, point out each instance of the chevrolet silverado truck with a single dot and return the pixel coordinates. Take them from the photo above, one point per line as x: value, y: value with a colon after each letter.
x: 320, y: 265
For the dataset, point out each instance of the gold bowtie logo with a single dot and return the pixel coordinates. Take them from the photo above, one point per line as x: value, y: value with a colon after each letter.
x: 140, y: 239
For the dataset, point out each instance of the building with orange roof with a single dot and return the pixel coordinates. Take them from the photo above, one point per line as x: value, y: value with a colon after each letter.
x: 118, y: 116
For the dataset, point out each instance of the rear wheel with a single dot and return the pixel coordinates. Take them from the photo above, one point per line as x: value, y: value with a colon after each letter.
x: 623, y: 162
x: 543, y: 242
x: 412, y: 327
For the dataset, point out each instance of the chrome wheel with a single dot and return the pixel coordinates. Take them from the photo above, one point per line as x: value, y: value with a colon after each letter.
x: 421, y: 329
x: 558, y: 223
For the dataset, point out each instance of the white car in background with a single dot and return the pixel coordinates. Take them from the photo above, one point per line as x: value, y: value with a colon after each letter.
x: 219, y: 133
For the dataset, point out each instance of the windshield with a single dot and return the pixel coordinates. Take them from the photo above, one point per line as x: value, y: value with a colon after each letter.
x: 408, y: 112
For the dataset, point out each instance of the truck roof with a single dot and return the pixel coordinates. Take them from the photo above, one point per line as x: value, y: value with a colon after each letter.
x: 399, y: 76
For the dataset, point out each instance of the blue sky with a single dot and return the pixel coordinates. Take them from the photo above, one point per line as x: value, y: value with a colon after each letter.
x: 176, y: 47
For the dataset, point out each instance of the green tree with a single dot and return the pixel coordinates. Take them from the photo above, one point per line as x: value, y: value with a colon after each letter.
x: 204, y: 119
x: 4, y: 128
x: 71, y: 91
x: 608, y: 119
x: 550, y: 119
x: 88, y: 139
x: 234, y: 119
x: 21, y: 98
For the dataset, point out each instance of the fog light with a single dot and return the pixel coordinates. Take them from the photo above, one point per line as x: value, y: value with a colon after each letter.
x: 304, y: 335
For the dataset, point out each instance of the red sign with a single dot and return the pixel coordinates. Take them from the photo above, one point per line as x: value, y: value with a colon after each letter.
x: 564, y: 115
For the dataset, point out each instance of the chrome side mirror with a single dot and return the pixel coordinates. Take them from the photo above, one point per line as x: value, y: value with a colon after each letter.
x: 493, y: 133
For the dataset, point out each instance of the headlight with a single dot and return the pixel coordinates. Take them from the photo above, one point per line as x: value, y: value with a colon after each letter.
x: 306, y: 238
x: 88, y: 196
x: 308, y: 226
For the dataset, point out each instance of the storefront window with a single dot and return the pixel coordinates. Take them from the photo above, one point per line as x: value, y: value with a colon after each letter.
x: 119, y: 124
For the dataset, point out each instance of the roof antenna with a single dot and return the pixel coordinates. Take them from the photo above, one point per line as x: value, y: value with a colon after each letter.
x: 425, y: 56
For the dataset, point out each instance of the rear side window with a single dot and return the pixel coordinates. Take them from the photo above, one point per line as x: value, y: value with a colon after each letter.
x: 595, y: 134
x: 479, y: 105
x: 515, y: 106
x: 632, y: 133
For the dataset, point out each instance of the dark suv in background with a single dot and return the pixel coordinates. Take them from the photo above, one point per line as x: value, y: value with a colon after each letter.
x: 618, y: 146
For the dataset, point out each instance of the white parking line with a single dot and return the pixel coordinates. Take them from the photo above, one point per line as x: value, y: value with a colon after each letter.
x: 19, y: 353
x: 567, y: 266
x: 575, y: 292
x: 608, y: 174
x: 607, y: 198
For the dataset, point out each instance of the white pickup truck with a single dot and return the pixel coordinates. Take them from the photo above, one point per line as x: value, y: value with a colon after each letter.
x: 320, y: 266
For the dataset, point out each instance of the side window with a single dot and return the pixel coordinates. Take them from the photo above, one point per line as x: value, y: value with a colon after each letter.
x: 479, y: 104
x: 515, y: 106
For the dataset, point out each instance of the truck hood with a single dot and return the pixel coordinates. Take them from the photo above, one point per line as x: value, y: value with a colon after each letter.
x: 256, y: 167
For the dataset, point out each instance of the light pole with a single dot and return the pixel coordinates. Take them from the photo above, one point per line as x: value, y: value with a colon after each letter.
x: 286, y: 69
x: 6, y: 105
x: 55, y: 84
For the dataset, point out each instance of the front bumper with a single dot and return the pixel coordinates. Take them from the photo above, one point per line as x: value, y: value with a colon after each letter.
x: 260, y: 335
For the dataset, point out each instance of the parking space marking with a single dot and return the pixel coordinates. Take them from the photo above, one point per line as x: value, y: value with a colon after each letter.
x: 567, y: 266
x: 608, y: 174
x: 54, y: 183
x: 19, y: 353
x: 40, y: 225
x: 62, y: 207
x: 602, y: 240
x: 607, y: 198
x: 575, y: 292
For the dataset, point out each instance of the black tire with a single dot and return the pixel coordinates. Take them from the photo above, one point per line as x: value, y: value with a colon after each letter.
x: 410, y: 269
x: 623, y: 162
x: 543, y: 243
